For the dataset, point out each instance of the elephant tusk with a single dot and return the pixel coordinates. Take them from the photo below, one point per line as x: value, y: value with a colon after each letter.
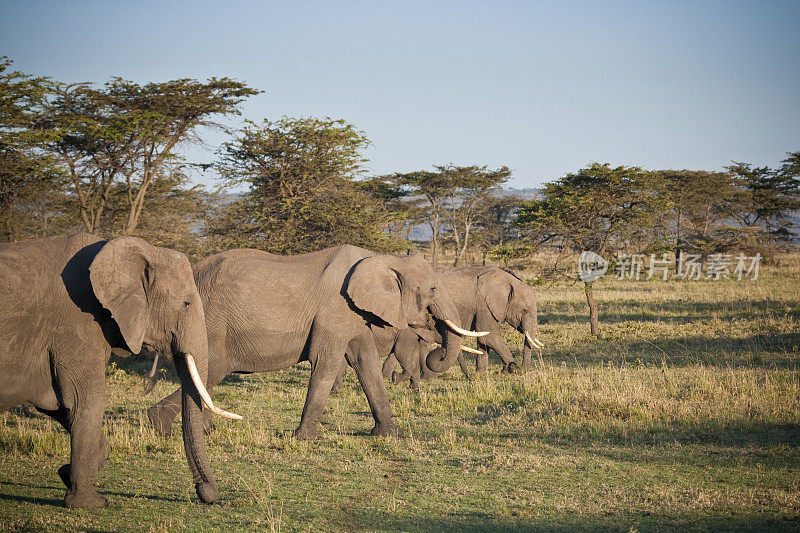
x: 471, y: 350
x: 465, y: 349
x: 465, y: 332
x: 201, y: 389
x: 150, y: 380
x: 534, y: 342
x: 152, y: 373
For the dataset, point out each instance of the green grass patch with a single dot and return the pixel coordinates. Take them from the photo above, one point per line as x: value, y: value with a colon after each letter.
x: 684, y: 415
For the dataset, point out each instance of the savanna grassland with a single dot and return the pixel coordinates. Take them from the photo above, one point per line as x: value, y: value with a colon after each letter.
x: 684, y: 415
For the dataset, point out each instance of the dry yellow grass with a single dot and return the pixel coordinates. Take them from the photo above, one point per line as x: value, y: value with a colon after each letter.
x: 685, y: 414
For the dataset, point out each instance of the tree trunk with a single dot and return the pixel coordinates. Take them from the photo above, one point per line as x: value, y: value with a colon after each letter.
x: 463, y: 250
x: 678, y: 241
x: 435, y: 228
x: 594, y: 322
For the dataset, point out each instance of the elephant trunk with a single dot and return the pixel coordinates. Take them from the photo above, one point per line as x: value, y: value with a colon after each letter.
x: 530, y: 331
x: 192, y: 406
x: 442, y: 309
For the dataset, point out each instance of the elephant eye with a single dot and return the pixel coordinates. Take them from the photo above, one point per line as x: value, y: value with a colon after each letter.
x: 187, y: 304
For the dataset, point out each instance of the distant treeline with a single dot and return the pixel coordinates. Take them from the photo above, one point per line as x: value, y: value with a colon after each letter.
x: 106, y: 160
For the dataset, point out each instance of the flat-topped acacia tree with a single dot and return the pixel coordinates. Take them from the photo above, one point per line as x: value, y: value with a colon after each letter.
x: 127, y: 134
x: 595, y: 209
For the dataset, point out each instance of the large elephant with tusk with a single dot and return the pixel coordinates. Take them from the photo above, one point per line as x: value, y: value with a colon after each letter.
x: 68, y: 302
x: 266, y: 312
x: 485, y: 296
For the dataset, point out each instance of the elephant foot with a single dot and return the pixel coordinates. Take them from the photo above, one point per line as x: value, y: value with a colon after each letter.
x: 84, y: 498
x: 161, y: 423
x: 207, y: 492
x: 414, y: 386
x: 510, y: 368
x: 387, y: 429
x: 306, y: 433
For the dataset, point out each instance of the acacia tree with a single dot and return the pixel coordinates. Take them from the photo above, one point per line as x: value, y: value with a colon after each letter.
x: 593, y: 209
x: 303, y: 193
x: 497, y: 233
x: 30, y: 185
x: 403, y: 211
x: 127, y: 135
x: 91, y: 145
x: 769, y: 197
x: 470, y: 196
x: 696, y: 203
x: 434, y: 187
x: 165, y: 116
x: 454, y: 199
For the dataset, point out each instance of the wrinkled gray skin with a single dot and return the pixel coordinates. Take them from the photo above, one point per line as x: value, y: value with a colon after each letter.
x: 67, y: 302
x: 485, y: 297
x: 266, y: 312
x: 406, y: 344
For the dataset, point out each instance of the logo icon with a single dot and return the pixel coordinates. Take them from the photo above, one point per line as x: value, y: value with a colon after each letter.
x: 591, y: 266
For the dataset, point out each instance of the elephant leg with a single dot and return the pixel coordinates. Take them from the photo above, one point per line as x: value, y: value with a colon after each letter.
x: 326, y: 361
x: 337, y: 384
x: 406, y: 350
x: 363, y: 357
x: 494, y: 341
x: 482, y: 361
x: 62, y: 417
x: 462, y: 362
x: 88, y: 448
x: 389, y: 365
x: 163, y: 414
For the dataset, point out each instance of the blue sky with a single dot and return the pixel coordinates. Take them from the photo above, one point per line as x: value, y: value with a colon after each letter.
x: 543, y: 87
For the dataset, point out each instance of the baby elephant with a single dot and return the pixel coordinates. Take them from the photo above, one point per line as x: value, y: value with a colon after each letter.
x: 68, y: 301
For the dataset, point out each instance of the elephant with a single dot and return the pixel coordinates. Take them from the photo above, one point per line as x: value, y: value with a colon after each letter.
x: 485, y: 296
x: 266, y: 312
x: 68, y: 302
x: 405, y: 344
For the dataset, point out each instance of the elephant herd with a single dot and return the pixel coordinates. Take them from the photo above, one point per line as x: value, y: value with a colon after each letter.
x: 70, y: 301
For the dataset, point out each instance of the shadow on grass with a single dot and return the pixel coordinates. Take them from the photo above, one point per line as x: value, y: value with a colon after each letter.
x: 672, y: 311
x: 5, y: 488
x: 632, y: 520
x: 31, y: 499
x: 732, y: 434
x: 780, y: 350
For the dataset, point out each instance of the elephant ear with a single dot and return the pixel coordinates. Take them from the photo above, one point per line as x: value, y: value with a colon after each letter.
x: 495, y: 289
x: 375, y: 287
x: 119, y: 274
